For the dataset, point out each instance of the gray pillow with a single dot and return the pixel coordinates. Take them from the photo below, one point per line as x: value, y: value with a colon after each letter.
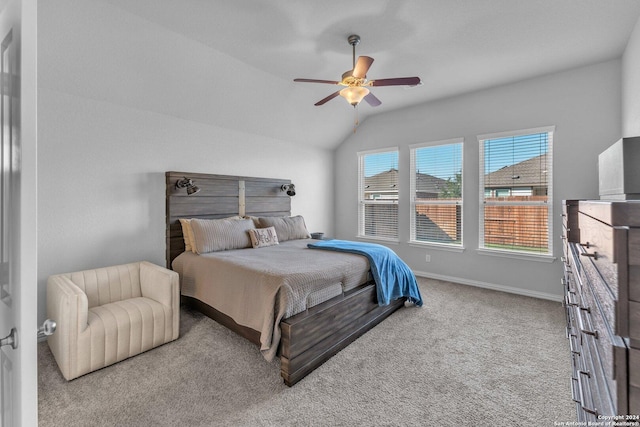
x: 212, y: 235
x: 287, y: 227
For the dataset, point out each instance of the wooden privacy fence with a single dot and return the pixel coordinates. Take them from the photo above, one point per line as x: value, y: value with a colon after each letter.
x: 520, y: 226
x: 447, y: 218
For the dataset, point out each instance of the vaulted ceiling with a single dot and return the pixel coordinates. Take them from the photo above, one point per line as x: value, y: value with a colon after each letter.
x: 232, y: 63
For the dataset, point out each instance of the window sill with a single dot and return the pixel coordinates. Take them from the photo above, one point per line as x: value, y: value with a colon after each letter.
x: 378, y: 240
x: 436, y: 246
x: 517, y: 255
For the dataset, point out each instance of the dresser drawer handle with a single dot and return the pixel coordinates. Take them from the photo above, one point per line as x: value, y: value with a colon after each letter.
x: 572, y: 347
x: 568, y: 300
x: 582, y: 402
x: 581, y: 324
x: 585, y: 245
x: 593, y: 255
x: 575, y: 395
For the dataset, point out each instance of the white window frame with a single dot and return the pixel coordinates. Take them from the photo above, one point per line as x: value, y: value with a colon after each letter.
x: 412, y: 238
x: 510, y: 253
x: 362, y: 202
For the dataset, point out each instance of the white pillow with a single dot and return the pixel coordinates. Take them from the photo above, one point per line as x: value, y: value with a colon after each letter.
x: 263, y: 237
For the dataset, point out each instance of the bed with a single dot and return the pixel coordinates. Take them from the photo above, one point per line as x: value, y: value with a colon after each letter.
x: 303, y: 315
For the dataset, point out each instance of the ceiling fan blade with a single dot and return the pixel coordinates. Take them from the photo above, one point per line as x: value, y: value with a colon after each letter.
x: 328, y: 98
x: 331, y: 82
x: 362, y: 66
x: 372, y: 100
x: 398, y: 81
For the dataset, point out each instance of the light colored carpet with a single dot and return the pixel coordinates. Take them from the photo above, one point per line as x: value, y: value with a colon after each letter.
x: 469, y: 357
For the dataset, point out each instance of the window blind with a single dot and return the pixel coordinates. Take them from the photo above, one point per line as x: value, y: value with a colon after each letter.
x: 378, y: 188
x: 436, y: 193
x: 516, y: 191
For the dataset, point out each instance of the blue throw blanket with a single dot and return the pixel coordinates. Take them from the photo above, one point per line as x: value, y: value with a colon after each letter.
x: 394, y: 279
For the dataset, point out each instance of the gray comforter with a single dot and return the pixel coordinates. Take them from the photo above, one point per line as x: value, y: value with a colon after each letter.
x: 259, y: 287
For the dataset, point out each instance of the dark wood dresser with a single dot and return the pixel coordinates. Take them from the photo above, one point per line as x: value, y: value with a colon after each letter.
x: 601, y: 256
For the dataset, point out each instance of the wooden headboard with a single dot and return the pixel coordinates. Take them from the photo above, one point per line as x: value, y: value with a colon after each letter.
x: 220, y: 196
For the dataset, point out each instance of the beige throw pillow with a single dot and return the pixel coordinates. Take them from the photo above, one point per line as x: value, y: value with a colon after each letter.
x: 187, y: 234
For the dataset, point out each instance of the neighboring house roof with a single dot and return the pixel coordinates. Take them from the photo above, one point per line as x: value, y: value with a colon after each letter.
x: 523, y: 174
x: 429, y: 183
x: 383, y: 182
x: 387, y: 181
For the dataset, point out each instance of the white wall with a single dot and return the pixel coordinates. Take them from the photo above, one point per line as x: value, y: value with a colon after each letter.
x: 103, y: 152
x: 585, y: 106
x: 631, y: 85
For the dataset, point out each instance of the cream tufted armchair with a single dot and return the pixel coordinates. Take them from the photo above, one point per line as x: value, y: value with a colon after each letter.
x: 109, y: 314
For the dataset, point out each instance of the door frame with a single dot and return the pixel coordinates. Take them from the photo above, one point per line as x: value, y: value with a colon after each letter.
x: 28, y: 269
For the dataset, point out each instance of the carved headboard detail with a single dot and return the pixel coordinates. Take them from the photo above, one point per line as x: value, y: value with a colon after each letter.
x: 220, y: 196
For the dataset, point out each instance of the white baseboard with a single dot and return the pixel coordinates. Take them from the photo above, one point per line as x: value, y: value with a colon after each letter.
x: 502, y: 288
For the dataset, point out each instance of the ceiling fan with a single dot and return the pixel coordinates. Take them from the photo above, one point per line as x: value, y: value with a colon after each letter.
x: 356, y: 81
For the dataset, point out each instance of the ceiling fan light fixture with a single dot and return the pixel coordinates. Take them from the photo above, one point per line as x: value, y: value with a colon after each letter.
x: 354, y: 94
x: 356, y: 83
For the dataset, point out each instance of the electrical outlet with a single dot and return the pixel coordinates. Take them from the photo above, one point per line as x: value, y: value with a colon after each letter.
x: 427, y: 258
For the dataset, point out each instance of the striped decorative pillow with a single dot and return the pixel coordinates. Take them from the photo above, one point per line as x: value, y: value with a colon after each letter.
x: 212, y: 235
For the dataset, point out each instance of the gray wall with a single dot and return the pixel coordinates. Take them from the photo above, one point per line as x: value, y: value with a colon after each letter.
x: 105, y: 141
x: 631, y: 85
x: 585, y: 106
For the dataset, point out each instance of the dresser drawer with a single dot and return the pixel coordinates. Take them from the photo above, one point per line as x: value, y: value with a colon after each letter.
x: 594, y: 382
x: 612, y: 212
x: 598, y: 241
x: 570, y: 229
x: 607, y: 352
x: 634, y: 381
x: 591, y: 279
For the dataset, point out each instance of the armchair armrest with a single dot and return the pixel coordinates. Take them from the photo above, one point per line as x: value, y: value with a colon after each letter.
x: 68, y: 306
x: 162, y: 285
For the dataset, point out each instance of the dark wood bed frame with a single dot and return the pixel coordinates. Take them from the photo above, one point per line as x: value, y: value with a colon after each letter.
x: 309, y: 338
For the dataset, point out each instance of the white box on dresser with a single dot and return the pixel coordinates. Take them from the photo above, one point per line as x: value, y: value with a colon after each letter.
x: 602, y: 298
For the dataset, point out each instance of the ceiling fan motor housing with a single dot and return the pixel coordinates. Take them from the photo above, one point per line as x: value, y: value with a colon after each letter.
x: 349, y: 80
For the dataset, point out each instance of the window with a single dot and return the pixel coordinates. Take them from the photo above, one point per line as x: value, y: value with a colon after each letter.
x: 378, y: 194
x: 516, y: 191
x: 436, y: 193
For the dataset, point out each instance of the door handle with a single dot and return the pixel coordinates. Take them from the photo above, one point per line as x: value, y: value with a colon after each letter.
x: 47, y: 329
x: 11, y: 339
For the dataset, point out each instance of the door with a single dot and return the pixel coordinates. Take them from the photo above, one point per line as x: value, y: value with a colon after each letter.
x: 18, y: 202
